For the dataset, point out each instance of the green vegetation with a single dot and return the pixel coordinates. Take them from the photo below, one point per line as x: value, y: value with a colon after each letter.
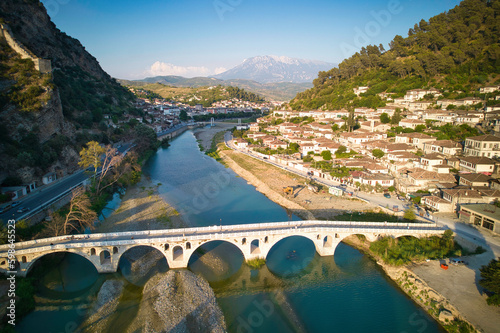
x: 409, y: 214
x: 490, y: 280
x: 205, y: 95
x: 456, y: 51
x: 28, y: 86
x: 256, y: 263
x: 87, y: 99
x: 377, y: 153
x: 403, y: 250
x: 206, y: 117
x: 367, y: 216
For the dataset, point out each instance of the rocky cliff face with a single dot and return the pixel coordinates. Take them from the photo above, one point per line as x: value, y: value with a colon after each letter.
x: 32, y: 27
x: 47, y: 115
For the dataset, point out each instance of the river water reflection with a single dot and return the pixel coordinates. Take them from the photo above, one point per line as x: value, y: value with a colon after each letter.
x: 296, y: 291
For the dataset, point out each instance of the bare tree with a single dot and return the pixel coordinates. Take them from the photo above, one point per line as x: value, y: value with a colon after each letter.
x: 105, y: 161
x: 80, y: 214
x: 110, y: 167
x: 54, y: 226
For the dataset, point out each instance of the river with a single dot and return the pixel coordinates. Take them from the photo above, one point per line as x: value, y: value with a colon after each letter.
x: 296, y: 291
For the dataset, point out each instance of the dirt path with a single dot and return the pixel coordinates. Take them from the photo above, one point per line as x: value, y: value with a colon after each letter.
x: 142, y: 209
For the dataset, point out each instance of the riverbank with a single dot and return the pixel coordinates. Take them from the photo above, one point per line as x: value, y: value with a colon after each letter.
x: 271, y: 180
x: 419, y: 290
x: 426, y: 283
x: 142, y: 208
x: 204, y: 135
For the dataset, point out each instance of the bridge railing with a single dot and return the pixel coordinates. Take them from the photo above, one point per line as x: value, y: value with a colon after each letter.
x: 253, y: 226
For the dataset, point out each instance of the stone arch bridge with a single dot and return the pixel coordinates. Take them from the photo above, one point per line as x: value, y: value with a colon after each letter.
x: 177, y: 245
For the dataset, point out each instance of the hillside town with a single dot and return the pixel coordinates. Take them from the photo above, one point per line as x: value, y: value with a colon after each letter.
x: 162, y: 114
x: 396, y: 149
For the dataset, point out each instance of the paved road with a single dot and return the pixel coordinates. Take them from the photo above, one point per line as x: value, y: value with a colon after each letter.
x: 48, y: 194
x: 479, y: 237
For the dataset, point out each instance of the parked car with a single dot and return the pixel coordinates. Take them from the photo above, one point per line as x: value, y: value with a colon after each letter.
x: 456, y: 261
x: 16, y: 203
x: 387, y: 195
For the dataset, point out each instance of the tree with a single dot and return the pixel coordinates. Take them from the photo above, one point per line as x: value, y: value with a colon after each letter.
x: 79, y: 216
x: 420, y: 128
x: 384, y: 118
x: 490, y: 279
x: 183, y: 116
x: 341, y: 150
x: 377, y: 153
x: 396, y: 117
x: 107, y: 161
x: 327, y: 155
x: 409, y: 214
x: 91, y: 156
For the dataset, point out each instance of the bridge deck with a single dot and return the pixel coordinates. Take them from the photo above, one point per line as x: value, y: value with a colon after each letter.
x: 221, y: 232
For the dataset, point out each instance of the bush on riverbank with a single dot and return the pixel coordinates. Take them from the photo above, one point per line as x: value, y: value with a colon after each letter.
x: 404, y: 250
x: 367, y: 216
x: 256, y: 263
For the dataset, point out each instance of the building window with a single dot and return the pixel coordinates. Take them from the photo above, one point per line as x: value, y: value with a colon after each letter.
x: 488, y: 224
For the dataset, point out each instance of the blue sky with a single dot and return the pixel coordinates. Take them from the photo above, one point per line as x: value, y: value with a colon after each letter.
x: 136, y: 39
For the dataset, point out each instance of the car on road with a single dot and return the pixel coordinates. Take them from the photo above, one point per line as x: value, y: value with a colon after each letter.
x: 22, y: 209
x: 5, y: 208
x: 343, y: 185
x: 387, y: 195
x: 16, y: 203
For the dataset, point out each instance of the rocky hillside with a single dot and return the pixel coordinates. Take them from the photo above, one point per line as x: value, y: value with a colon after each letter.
x: 457, y: 52
x: 45, y: 117
x: 272, y: 69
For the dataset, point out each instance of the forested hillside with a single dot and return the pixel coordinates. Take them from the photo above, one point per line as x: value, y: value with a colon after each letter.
x: 457, y: 51
x: 192, y: 96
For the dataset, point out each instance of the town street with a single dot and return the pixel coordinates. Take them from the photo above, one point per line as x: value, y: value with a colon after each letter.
x: 487, y: 240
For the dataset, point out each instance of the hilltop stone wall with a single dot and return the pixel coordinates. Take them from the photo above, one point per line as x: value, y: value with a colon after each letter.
x: 42, y: 65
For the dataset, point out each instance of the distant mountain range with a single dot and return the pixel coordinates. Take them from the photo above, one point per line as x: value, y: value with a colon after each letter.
x: 281, y: 91
x: 274, y: 69
x: 275, y: 78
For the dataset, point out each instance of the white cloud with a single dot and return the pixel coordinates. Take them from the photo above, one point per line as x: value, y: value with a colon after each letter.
x: 160, y: 68
x: 219, y: 70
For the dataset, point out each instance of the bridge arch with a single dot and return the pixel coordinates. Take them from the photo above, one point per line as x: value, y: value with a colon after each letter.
x: 228, y: 252
x: 28, y: 265
x: 288, y: 258
x: 118, y: 255
x: 105, y: 257
x: 178, y: 253
x: 234, y: 244
x: 255, y: 247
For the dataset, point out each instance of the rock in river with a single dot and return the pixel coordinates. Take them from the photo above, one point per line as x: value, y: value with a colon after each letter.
x: 178, y: 301
x: 104, y: 307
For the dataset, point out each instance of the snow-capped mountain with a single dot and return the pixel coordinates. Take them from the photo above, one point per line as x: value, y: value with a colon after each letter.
x: 269, y: 69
